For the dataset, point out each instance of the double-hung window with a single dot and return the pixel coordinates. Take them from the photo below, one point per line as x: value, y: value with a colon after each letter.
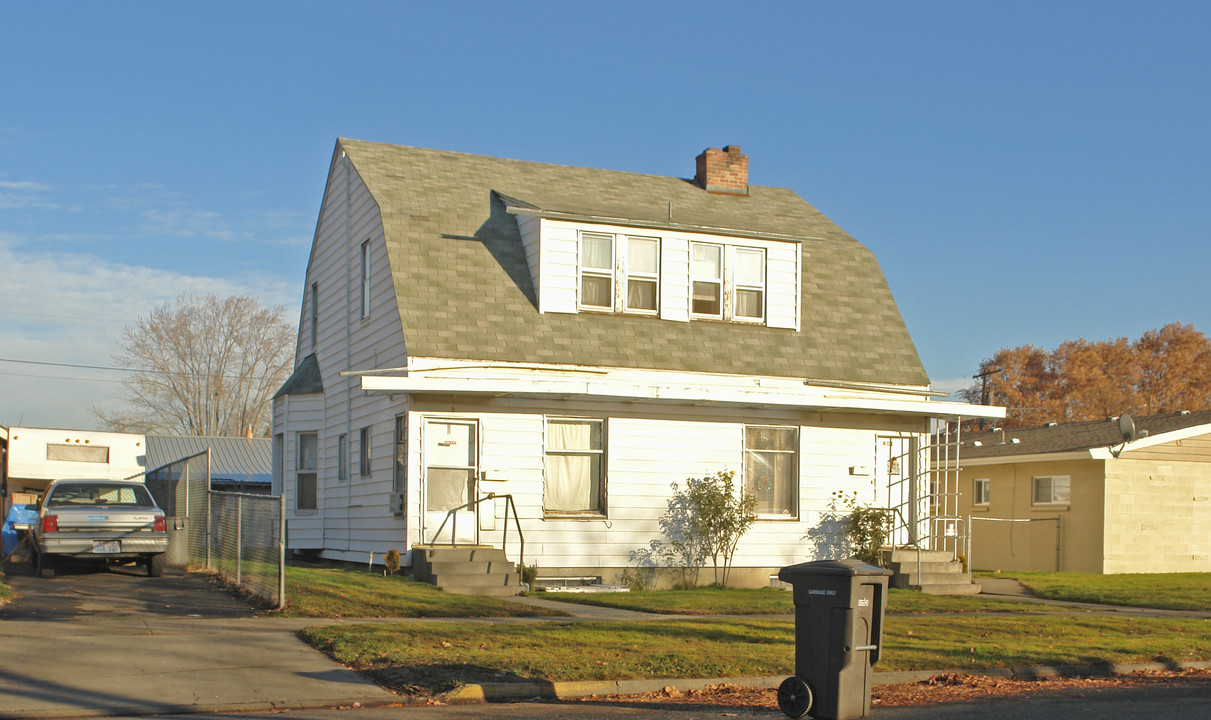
x: 619, y: 273
x: 749, y: 291
x: 727, y: 283
x: 771, y: 469
x: 597, y: 271
x: 1054, y: 490
x: 706, y: 280
x: 643, y: 274
x: 308, y: 461
x: 575, y: 464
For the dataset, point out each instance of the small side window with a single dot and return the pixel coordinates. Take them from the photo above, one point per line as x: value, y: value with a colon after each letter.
x: 980, y: 491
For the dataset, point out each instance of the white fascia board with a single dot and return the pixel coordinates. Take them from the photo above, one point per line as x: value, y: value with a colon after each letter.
x: 605, y: 389
x: 1036, y: 457
x: 1160, y: 439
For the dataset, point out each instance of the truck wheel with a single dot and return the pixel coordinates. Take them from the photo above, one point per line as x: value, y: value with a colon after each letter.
x: 155, y: 565
x: 794, y: 697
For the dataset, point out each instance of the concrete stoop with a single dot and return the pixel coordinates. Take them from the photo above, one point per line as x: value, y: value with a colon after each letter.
x: 932, y: 572
x: 466, y: 569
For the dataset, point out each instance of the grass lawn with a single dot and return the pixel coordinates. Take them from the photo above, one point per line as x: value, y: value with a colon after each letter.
x: 437, y: 657
x: 344, y: 592
x: 769, y: 601
x: 1168, y: 591
x: 6, y: 593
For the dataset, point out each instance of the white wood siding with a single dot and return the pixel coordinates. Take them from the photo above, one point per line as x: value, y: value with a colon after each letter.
x: 559, y: 285
x: 782, y: 285
x: 530, y: 228
x: 552, y: 249
x: 294, y: 414
x: 675, y: 279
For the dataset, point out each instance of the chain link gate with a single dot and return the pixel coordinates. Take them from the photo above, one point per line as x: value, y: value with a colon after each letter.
x: 241, y: 536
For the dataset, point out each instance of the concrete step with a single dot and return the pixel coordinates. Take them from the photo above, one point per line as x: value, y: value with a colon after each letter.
x: 967, y: 588
x: 907, y: 555
x: 928, y: 567
x: 467, y: 570
x: 908, y: 580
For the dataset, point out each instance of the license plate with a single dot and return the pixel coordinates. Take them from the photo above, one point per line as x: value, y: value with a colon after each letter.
x: 107, y: 547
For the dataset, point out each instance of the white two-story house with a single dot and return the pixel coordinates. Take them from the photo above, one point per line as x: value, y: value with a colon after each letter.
x: 574, y: 341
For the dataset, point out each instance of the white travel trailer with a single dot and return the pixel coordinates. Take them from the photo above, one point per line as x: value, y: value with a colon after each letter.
x: 33, y: 457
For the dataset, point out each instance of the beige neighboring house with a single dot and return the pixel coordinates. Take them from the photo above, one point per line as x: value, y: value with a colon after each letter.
x: 1076, y: 497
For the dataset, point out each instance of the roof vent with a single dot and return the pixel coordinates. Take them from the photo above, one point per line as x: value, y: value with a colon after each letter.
x: 722, y: 171
x: 1052, y: 424
x: 1184, y: 412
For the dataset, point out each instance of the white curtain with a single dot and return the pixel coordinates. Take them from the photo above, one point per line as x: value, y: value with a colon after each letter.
x: 573, y: 480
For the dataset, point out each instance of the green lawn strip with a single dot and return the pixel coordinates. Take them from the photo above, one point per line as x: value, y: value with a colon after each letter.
x: 435, y: 657
x: 343, y: 592
x: 6, y: 593
x: 1166, y: 591
x: 768, y: 601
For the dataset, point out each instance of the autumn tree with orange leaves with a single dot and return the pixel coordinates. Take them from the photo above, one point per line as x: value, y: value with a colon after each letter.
x: 1164, y: 371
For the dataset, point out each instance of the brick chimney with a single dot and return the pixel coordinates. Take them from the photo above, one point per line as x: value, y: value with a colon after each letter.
x: 722, y: 171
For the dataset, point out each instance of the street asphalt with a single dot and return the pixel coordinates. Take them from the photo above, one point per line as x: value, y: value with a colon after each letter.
x: 84, y: 644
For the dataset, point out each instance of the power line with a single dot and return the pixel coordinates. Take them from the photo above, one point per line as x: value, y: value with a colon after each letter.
x: 81, y: 366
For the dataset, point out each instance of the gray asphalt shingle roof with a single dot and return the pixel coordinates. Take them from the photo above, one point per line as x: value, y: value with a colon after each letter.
x: 464, y: 287
x: 1072, y: 437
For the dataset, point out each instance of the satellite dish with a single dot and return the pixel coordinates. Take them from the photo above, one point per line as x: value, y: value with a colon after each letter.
x: 1126, y: 426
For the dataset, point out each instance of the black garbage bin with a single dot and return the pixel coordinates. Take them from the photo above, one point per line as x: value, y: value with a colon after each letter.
x: 839, y: 607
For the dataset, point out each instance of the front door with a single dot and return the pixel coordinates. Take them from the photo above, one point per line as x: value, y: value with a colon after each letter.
x: 451, y: 468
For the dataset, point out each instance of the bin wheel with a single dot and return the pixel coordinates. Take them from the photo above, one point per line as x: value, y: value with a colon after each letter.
x: 795, y: 697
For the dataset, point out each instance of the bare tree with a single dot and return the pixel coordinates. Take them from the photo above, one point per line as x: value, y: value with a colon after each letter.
x: 207, y: 366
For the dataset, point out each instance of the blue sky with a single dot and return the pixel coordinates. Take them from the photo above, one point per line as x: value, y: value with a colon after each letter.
x: 1027, y: 172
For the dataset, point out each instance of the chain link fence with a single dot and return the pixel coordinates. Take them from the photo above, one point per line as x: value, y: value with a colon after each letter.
x: 241, y: 536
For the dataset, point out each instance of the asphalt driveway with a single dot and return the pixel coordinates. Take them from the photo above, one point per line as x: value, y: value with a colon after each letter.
x: 92, y: 642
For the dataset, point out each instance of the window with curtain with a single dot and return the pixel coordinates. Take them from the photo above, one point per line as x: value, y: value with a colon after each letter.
x: 771, y: 469
x: 643, y: 274
x: 597, y: 270
x: 706, y: 273
x: 575, y: 477
x: 749, y: 273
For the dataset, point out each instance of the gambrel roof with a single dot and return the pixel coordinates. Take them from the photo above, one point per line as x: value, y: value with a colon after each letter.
x: 465, y: 289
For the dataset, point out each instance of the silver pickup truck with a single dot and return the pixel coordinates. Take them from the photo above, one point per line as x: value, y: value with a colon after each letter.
x: 98, y: 520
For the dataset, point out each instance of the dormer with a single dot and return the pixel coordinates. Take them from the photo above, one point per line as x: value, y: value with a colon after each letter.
x: 685, y: 258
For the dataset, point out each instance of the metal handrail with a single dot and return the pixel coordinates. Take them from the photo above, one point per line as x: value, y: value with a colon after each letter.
x: 474, y: 504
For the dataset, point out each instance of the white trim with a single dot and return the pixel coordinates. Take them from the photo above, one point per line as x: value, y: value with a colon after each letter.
x: 784, y: 394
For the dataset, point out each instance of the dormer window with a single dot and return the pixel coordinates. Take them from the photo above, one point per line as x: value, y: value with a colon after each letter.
x: 643, y: 274
x: 597, y: 271
x: 728, y: 282
x: 619, y: 273
x: 706, y: 273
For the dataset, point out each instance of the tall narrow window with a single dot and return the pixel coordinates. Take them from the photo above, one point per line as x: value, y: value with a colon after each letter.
x: 981, y: 491
x: 597, y: 270
x: 279, y: 463
x: 308, y: 461
x: 771, y: 469
x: 575, y: 481
x: 342, y: 457
x: 749, y: 275
x: 365, y: 285
x: 643, y: 273
x: 706, y: 273
x: 315, y: 315
x: 399, y: 477
x: 364, y: 451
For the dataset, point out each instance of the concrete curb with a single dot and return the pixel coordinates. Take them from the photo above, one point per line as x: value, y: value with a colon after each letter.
x: 496, y: 692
